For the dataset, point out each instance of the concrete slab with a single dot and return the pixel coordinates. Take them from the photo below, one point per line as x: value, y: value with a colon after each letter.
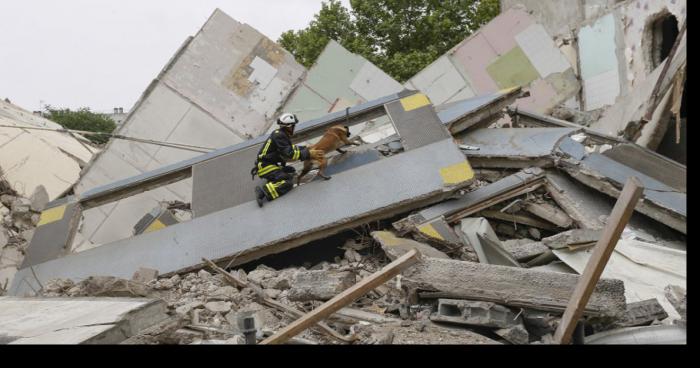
x: 472, y: 202
x: 660, y: 202
x: 514, y: 147
x: 388, y: 186
x: 76, y: 320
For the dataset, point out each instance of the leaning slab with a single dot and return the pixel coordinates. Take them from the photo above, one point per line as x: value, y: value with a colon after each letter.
x: 76, y: 320
x: 387, y: 187
x: 516, y: 287
x: 511, y: 186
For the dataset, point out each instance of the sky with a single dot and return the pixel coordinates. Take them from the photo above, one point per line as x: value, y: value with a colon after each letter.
x: 103, y: 54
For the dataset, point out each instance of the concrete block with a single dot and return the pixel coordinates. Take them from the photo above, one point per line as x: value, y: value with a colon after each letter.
x: 643, y: 313
x: 468, y: 312
x: 395, y: 247
x: 319, y: 285
x: 144, y: 275
x: 517, y: 335
x: 434, y: 334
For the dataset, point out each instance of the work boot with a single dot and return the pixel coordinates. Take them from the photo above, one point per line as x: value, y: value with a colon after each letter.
x: 259, y: 196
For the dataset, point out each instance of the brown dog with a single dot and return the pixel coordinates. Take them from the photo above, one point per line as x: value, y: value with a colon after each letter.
x: 334, y: 138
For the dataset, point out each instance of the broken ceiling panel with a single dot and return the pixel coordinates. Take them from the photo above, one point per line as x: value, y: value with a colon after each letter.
x: 510, y: 51
x: 514, y: 147
x: 33, y: 158
x: 223, y: 86
x: 599, y: 63
x: 645, y: 268
x: 339, y: 79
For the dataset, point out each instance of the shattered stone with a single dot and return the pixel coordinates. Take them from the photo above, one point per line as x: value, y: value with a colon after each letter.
x: 112, y: 287
x: 58, y: 286
x: 517, y: 335
x: 352, y: 256
x: 144, y: 275
x: 572, y: 237
x: 677, y: 296
x: 642, y: 313
x: 4, y: 238
x: 7, y: 200
x: 539, y: 323
x: 260, y: 274
x: 203, y: 274
x: 272, y: 293
x: 21, y: 206
x: 185, y: 309
x: 4, y: 211
x: 39, y: 199
x: 432, y: 334
x: 319, y: 285
x: 223, y: 293
x: 35, y: 219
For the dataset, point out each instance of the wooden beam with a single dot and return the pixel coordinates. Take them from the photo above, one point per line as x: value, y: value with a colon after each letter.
x: 520, y: 219
x: 617, y: 221
x: 345, y: 298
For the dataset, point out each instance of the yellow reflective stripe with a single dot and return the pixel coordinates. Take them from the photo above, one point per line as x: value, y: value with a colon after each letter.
x: 297, y: 152
x: 272, y: 190
x: 267, y: 146
x: 267, y: 169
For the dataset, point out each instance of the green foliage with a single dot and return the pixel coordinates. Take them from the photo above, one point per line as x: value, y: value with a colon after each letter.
x: 399, y: 36
x: 82, y: 119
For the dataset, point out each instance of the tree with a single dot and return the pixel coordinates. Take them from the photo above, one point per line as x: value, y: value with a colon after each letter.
x: 82, y: 119
x: 399, y: 36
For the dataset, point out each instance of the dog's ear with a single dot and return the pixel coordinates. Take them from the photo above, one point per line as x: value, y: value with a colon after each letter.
x: 347, y: 130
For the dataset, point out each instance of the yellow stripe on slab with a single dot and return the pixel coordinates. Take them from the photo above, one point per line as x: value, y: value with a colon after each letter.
x: 457, y: 173
x: 508, y: 90
x: 430, y: 231
x: 156, y: 225
x: 52, y: 215
x: 414, y: 102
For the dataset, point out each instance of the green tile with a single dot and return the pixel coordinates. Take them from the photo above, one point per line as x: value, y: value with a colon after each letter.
x: 512, y: 69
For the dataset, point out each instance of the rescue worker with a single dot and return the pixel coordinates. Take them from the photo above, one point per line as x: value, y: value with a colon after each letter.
x: 271, y: 161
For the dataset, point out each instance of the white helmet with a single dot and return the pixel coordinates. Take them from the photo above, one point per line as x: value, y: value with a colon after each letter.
x: 287, y: 119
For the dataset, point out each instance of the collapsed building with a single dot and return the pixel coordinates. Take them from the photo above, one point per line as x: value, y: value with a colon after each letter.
x: 500, y: 163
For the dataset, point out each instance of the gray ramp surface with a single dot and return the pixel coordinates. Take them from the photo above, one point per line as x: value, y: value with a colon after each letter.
x: 367, y: 190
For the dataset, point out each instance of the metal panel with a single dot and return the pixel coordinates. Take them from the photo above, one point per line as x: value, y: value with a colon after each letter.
x: 515, y: 143
x: 386, y: 186
x: 54, y: 231
x: 482, y: 194
x: 416, y: 121
x: 223, y: 182
x: 541, y: 50
x: 655, y: 191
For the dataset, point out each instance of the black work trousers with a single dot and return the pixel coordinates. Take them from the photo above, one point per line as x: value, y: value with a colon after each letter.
x: 279, y: 182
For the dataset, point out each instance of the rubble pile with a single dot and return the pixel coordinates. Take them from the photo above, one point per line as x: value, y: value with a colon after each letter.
x: 18, y: 218
x: 466, y: 216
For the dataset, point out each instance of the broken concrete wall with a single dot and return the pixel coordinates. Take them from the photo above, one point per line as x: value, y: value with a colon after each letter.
x: 611, y: 41
x: 339, y: 79
x: 511, y: 50
x: 30, y: 159
x: 76, y: 321
x: 222, y: 87
x: 559, y: 17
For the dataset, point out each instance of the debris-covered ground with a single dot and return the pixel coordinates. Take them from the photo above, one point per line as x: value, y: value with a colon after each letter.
x: 18, y: 218
x: 205, y: 307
